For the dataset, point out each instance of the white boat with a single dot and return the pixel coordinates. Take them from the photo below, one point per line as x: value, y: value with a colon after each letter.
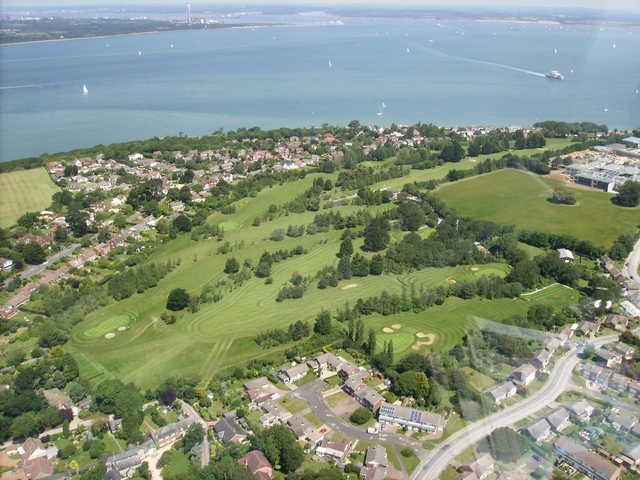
x: 408, y: 50
x: 330, y: 64
x: 171, y: 45
x: 139, y: 53
x: 85, y: 90
x: 384, y: 105
x: 554, y: 75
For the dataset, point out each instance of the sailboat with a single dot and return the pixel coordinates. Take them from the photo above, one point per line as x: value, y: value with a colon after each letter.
x: 171, y: 45
x: 555, y: 51
x: 330, y: 64
x: 384, y: 105
x: 139, y: 53
x: 85, y: 90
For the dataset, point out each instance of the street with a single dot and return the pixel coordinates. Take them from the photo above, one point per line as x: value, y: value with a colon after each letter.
x: 437, y: 459
x: 632, y: 263
x: 29, y: 272
x: 191, y: 412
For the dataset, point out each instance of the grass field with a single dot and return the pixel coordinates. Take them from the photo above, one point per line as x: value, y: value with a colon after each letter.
x: 24, y: 191
x: 221, y: 334
x: 520, y: 198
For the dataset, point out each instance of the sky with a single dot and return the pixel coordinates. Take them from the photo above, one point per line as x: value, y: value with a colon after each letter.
x: 595, y: 4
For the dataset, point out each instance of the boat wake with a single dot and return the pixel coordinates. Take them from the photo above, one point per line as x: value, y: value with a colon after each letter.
x: 484, y: 62
x: 35, y: 85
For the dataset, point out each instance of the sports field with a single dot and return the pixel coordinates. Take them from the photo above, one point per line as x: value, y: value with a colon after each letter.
x: 520, y: 198
x: 24, y: 191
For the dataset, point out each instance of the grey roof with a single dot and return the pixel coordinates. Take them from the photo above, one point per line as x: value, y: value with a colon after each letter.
x: 377, y: 455
x: 557, y: 417
x: 226, y: 429
x: 539, y: 429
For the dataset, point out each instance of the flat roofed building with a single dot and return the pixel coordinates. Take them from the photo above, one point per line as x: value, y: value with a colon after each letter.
x: 411, y: 418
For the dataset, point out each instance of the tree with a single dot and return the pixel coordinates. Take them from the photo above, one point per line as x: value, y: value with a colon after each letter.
x: 322, y: 325
x: 520, y: 142
x: 412, y: 216
x: 344, y: 268
x: 33, y: 253
x: 376, y: 234
x: 505, y: 445
x: 231, y: 266
x: 452, y: 152
x: 77, y: 221
x: 193, y: 437
x: 359, y: 265
x: 371, y: 343
x: 28, y: 220
x: 178, y: 299
x: 360, y: 416
x: 280, y: 446
x: 346, y: 248
x: 182, y: 223
x: 563, y: 195
x: 628, y: 194
x: 376, y: 266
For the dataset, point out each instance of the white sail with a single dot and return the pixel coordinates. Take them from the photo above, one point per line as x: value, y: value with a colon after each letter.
x: 85, y: 90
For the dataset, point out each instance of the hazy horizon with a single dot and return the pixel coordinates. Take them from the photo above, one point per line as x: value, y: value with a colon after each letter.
x: 617, y: 5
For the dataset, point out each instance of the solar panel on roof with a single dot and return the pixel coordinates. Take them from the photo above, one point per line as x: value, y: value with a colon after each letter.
x: 416, y: 416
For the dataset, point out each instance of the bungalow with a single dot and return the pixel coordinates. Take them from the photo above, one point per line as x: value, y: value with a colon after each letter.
x: 596, y: 374
x: 501, y: 392
x: 411, y: 418
x: 581, y: 410
x: 338, y: 451
x: 539, y: 431
x: 588, y: 328
x: 274, y: 413
x: 619, y: 383
x: 566, y: 255
x: 481, y: 467
x: 585, y: 460
x: 257, y: 464
x: 626, y: 351
x: 634, y: 388
x: 559, y: 419
x: 523, y: 375
x: 375, y: 463
x: 326, y: 363
x: 301, y: 427
x: 261, y: 390
x: 292, y: 374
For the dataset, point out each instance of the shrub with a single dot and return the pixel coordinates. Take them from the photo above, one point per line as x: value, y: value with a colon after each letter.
x: 178, y: 299
x: 361, y: 416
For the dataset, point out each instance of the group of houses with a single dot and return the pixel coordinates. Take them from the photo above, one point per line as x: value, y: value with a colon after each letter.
x: 31, y: 460
x: 558, y: 420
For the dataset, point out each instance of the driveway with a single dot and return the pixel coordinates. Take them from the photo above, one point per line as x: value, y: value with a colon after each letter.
x: 312, y: 394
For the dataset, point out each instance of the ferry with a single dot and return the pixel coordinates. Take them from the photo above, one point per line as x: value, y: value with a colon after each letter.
x: 554, y: 75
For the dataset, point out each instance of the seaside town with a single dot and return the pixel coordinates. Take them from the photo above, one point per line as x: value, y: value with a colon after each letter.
x: 342, y: 406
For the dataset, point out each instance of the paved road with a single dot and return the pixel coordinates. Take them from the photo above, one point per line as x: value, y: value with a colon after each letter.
x: 312, y: 394
x: 191, y: 412
x: 632, y: 264
x: 29, y: 272
x: 616, y: 402
x: 437, y: 459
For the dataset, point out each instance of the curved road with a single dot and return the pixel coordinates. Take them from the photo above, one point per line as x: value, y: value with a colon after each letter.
x: 632, y: 264
x: 437, y: 459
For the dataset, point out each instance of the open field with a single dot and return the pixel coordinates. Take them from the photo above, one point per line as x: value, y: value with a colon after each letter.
x: 515, y: 197
x: 24, y: 191
x: 222, y: 334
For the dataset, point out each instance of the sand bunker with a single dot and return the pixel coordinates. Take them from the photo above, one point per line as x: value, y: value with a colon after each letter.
x: 396, y: 326
x: 425, y: 340
x: 348, y: 286
x: 387, y: 330
x: 474, y: 269
x: 109, y: 335
x: 122, y: 329
x: 451, y: 281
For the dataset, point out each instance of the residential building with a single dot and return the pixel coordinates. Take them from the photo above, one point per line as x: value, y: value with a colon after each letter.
x: 559, y: 419
x: 566, y: 255
x: 524, y: 375
x: 539, y: 431
x: 542, y: 359
x: 257, y: 463
x: 170, y: 433
x: 294, y: 373
x: 610, y: 358
x: 617, y: 322
x: 622, y: 421
x: 368, y: 397
x: 6, y: 265
x: 411, y: 418
x: 626, y: 351
x: 501, y: 392
x: 581, y: 410
x: 480, y: 468
x: 338, y: 451
x: 375, y: 463
x: 274, y: 413
x: 588, y: 328
x: 228, y: 431
x: 619, y: 383
x: 596, y: 374
x: 260, y: 390
x: 585, y: 460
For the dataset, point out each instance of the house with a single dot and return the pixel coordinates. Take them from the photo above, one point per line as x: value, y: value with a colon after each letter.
x: 228, y: 431
x: 170, y: 433
x: 274, y: 413
x: 523, y: 375
x: 566, y: 255
x: 6, y: 265
x: 596, y: 374
x: 481, y: 467
x: 539, y: 431
x: 257, y: 463
x: 126, y: 463
x: 622, y: 421
x: 261, y: 390
x: 542, y: 359
x: 619, y: 383
x: 375, y: 463
x: 617, y: 322
x: 38, y: 468
x: 338, y: 451
x: 410, y: 418
x: 585, y: 460
x: 588, y: 328
x: 626, y: 351
x: 292, y: 374
x: 634, y: 388
x: 559, y: 419
x: 501, y: 392
x: 632, y: 455
x: 368, y: 397
x: 581, y: 410
x: 326, y: 364
x: 58, y: 399
x: 115, y: 424
x: 611, y: 359
x: 300, y: 427
x: 33, y: 448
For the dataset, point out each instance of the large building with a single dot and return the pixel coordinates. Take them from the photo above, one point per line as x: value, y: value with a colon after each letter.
x: 585, y: 460
x: 411, y: 418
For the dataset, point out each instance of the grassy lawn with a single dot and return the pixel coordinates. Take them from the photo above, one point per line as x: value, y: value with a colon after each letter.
x: 293, y: 405
x: 520, y: 198
x: 24, y: 191
x: 333, y: 400
x: 478, y: 380
x: 175, y: 464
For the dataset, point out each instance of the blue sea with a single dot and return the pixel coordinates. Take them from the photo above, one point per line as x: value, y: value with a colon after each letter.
x: 195, y: 82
